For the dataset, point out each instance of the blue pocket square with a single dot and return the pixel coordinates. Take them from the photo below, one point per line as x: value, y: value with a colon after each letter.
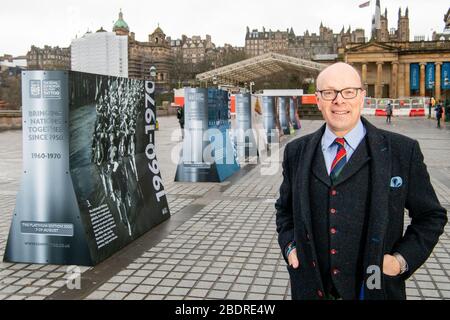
x: 396, y: 182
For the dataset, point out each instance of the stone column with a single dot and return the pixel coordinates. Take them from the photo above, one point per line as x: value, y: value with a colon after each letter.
x: 394, y: 80
x: 407, y: 80
x: 401, y: 80
x: 437, y: 81
x: 378, y: 85
x: 422, y: 79
x: 364, y: 75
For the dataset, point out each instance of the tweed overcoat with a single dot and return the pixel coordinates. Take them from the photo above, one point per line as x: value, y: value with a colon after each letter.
x: 392, y: 156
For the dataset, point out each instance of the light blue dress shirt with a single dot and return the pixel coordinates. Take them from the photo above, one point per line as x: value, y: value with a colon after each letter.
x: 352, y: 140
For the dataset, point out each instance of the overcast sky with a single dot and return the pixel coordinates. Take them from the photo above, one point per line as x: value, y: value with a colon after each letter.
x: 57, y: 22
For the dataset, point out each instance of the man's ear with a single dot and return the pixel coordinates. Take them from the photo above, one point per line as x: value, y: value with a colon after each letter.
x: 318, y: 99
x: 363, y: 93
x: 363, y: 96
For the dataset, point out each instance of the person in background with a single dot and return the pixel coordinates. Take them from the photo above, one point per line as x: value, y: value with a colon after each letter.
x: 388, y: 112
x: 447, y: 110
x: 180, y: 117
x: 431, y: 104
x: 439, y: 113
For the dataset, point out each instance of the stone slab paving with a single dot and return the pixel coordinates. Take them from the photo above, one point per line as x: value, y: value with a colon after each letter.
x: 221, y: 252
x: 228, y: 248
x: 33, y: 281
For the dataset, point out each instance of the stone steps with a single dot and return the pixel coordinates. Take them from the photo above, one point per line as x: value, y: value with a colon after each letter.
x: 310, y: 112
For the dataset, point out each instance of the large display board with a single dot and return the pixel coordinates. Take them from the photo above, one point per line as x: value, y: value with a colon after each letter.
x: 270, y: 120
x: 245, y: 139
x: 209, y: 154
x: 91, y: 182
x: 283, y: 113
x: 293, y: 112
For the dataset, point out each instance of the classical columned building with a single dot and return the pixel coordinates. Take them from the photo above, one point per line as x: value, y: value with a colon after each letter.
x: 402, y: 69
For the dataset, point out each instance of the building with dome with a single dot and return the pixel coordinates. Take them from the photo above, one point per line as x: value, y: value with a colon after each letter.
x: 144, y: 54
x: 118, y: 53
x: 121, y: 27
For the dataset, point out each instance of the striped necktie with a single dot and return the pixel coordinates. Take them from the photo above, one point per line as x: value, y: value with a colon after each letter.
x: 340, y: 160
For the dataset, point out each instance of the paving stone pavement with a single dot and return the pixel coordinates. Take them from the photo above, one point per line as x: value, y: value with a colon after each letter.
x: 224, y: 245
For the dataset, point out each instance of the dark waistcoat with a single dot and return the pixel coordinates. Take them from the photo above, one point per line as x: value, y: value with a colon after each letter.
x: 339, y: 214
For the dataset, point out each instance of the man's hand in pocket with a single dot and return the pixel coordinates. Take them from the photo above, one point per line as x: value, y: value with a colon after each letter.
x: 293, y: 260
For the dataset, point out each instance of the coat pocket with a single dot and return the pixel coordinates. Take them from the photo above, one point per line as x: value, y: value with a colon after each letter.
x: 296, y: 283
x: 394, y: 287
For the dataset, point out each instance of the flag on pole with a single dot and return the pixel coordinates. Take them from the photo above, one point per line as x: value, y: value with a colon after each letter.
x: 365, y: 4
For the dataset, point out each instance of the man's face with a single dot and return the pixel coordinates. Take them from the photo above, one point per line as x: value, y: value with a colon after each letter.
x: 340, y: 114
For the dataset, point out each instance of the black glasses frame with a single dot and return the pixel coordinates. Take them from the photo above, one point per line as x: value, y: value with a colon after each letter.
x: 336, y: 92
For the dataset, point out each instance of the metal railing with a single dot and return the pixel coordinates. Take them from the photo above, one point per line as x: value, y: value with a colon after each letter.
x: 404, y: 103
x: 401, y: 107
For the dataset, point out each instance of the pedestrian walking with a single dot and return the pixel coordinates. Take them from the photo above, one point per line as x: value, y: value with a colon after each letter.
x: 429, y: 109
x: 447, y: 110
x: 180, y: 117
x: 389, y: 110
x: 439, y: 113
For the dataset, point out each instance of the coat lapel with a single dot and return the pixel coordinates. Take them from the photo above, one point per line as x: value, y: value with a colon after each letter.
x: 303, y: 175
x: 380, y: 152
x: 319, y: 167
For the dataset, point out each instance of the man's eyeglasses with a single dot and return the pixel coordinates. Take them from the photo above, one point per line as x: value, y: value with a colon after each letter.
x: 346, y: 93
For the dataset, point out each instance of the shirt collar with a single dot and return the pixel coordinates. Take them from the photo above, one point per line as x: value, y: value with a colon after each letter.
x: 352, y: 139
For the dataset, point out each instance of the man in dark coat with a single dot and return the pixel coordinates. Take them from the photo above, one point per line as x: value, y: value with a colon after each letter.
x: 439, y: 112
x: 340, y: 213
x: 389, y: 110
x: 180, y: 117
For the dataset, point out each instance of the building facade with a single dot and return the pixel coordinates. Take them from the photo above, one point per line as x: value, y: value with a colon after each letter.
x: 391, y: 66
x: 228, y: 54
x: 10, y: 83
x: 48, y: 58
x: 306, y: 46
x: 193, y: 50
x: 154, y: 52
x: 402, y: 69
x: 380, y: 26
x: 142, y: 55
x: 101, y: 52
x: 195, y: 55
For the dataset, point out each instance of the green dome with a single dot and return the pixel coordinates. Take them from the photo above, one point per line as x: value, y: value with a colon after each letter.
x: 121, y: 24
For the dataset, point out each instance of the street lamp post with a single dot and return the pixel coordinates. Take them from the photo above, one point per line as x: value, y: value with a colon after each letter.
x: 446, y: 83
x: 446, y: 101
x: 251, y: 87
x: 431, y: 83
x: 153, y: 73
